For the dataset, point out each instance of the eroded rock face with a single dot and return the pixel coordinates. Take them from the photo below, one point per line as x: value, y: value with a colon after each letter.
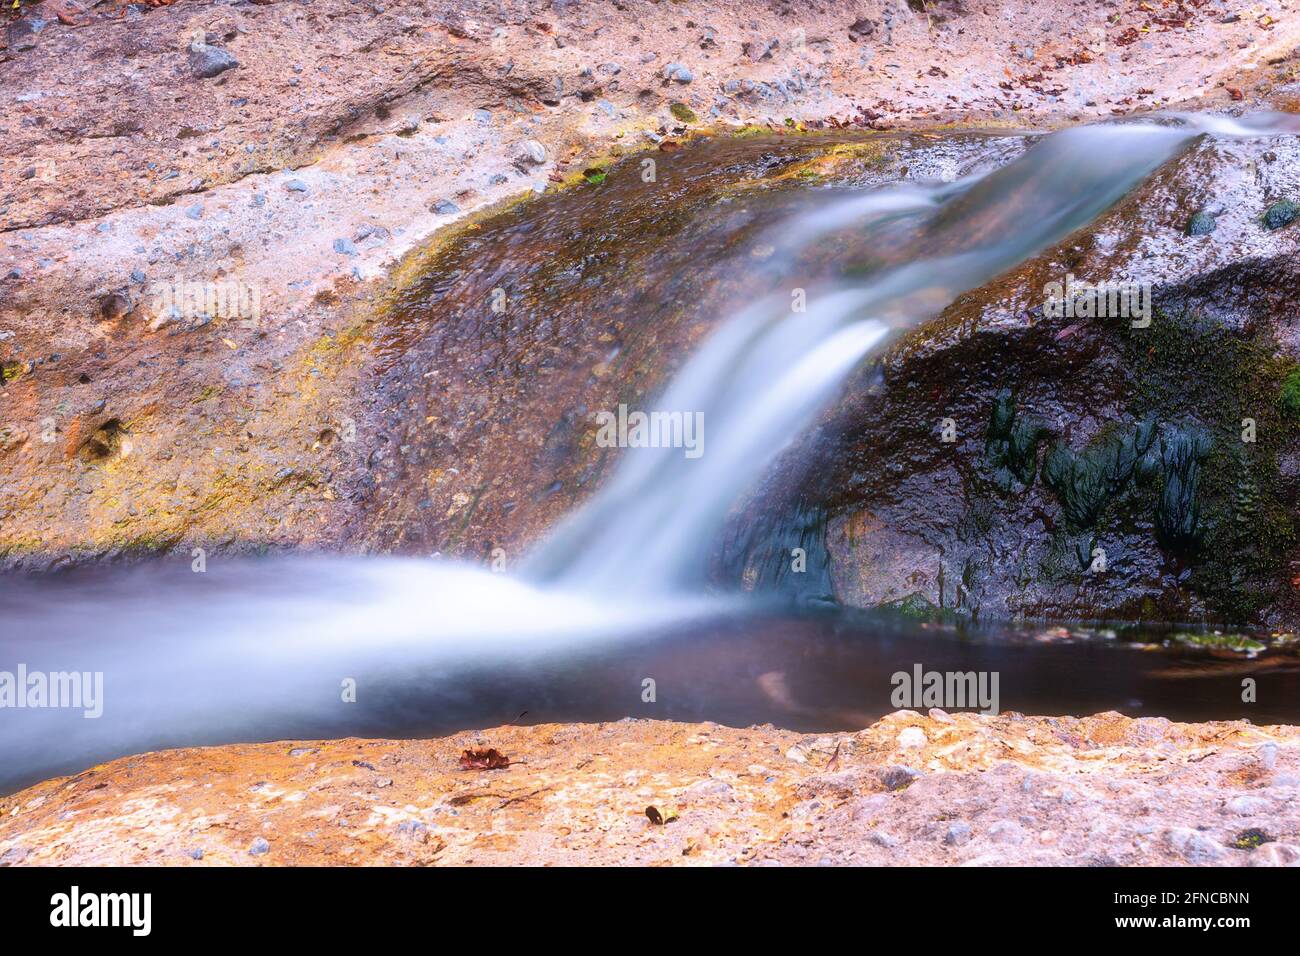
x: 910, y: 789
x: 1007, y: 462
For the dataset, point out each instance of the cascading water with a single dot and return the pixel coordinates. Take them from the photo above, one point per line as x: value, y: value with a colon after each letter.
x: 259, y: 651
x: 760, y: 379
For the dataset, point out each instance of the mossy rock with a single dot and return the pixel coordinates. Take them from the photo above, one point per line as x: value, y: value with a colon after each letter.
x: 683, y: 112
x: 916, y: 607
x: 1201, y: 223
x: 1281, y: 214
x: 1239, y: 643
x: 1288, y: 395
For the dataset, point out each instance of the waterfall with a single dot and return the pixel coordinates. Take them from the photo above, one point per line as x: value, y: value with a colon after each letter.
x: 767, y: 372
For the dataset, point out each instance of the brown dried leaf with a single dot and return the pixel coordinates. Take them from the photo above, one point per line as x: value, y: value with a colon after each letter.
x: 484, y: 759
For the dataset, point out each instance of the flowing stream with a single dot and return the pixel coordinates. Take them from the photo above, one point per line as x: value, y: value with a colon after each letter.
x: 294, y: 648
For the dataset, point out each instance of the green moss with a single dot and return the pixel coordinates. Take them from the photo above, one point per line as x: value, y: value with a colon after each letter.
x: 1200, y: 223
x: 1011, y: 443
x: 1288, y: 395
x: 915, y: 607
x: 1251, y: 839
x: 1178, y: 512
x: 1221, y: 503
x: 1239, y: 643
x: 1087, y: 481
x: 1281, y: 214
x: 683, y: 112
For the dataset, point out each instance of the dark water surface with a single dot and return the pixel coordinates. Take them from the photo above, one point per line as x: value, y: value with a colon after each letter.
x: 259, y: 650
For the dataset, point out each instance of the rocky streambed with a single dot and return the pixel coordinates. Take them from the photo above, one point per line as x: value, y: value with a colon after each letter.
x: 329, y: 276
x: 942, y: 789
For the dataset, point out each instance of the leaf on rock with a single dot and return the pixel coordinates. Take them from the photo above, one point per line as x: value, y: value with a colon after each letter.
x: 484, y: 759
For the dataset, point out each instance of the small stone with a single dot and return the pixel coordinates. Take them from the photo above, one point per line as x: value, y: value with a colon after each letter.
x: 345, y: 247
x: 209, y: 61
x: 1266, y: 756
x: 137, y: 275
x: 911, y: 738
x: 259, y: 846
x: 296, y: 186
x: 1200, y: 223
x: 899, y: 778
x: 1007, y: 831
x: 883, y: 838
x: 678, y: 73
x: 797, y: 755
x: 957, y: 834
x: 1281, y: 214
x: 195, y: 854
x: 532, y: 152
x: 195, y: 211
x: 861, y: 28
x: 1193, y: 846
x: 1246, y: 805
x: 445, y: 207
x: 1275, y: 854
x: 1048, y: 837
x: 13, y: 855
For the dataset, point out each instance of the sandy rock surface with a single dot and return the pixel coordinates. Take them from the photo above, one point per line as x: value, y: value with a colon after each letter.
x: 911, y: 789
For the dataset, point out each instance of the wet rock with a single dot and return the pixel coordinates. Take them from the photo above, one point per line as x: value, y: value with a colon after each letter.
x: 209, y: 61
x: 1200, y: 223
x: 1281, y: 214
x: 1193, y: 846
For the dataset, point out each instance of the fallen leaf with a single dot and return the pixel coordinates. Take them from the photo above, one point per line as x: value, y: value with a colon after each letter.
x: 481, y: 759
